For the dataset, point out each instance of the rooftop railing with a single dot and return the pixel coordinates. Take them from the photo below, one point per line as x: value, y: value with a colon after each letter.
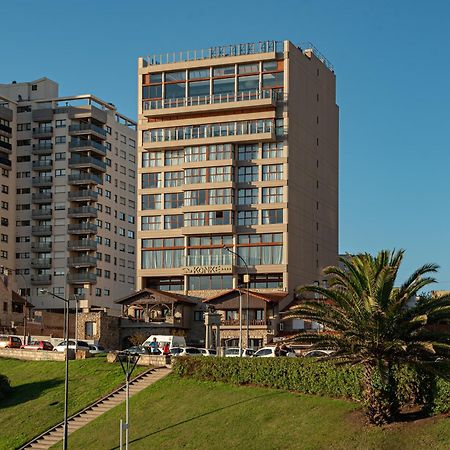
x: 221, y: 51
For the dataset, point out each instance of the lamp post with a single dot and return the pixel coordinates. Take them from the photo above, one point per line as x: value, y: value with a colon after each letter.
x: 246, y: 281
x: 128, y: 362
x: 66, y: 373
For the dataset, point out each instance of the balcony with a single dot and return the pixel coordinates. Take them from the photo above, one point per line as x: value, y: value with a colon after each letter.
x: 85, y: 178
x: 42, y: 181
x: 83, y: 196
x: 42, y: 132
x: 241, y: 131
x: 5, y: 162
x: 82, y: 261
x: 6, y: 130
x: 82, y: 228
x: 85, y: 162
x: 87, y: 128
x: 41, y: 279
x: 5, y: 147
x: 42, y: 149
x: 42, y: 197
x: 216, y: 102
x: 84, y: 145
x: 41, y: 247
x: 81, y: 278
x: 83, y: 211
x: 43, y: 165
x: 41, y: 230
x: 41, y: 214
x: 82, y: 245
x: 41, y: 263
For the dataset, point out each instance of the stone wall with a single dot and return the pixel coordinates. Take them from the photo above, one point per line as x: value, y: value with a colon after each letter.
x: 144, y: 360
x: 34, y: 355
x: 106, y: 329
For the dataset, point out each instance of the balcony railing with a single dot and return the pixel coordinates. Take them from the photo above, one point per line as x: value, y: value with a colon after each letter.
x: 41, y: 279
x: 5, y: 145
x: 42, y: 131
x: 42, y: 181
x: 81, y: 228
x: 42, y: 247
x: 84, y: 161
x: 43, y: 165
x: 41, y: 230
x: 84, y: 144
x: 211, y: 99
x: 83, y: 211
x: 82, y: 261
x: 87, y: 127
x: 82, y: 244
x: 41, y: 263
x: 251, y: 48
x: 87, y: 277
x: 209, y: 131
x: 85, y: 194
x: 5, y: 162
x: 42, y: 149
x: 85, y: 178
x: 5, y: 128
x: 41, y: 197
x: 40, y: 214
x: 208, y: 260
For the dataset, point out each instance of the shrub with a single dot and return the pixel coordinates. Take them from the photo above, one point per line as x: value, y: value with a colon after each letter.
x: 5, y: 387
x: 310, y: 376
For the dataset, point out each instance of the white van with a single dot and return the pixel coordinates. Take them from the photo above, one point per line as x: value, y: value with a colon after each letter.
x: 173, y: 341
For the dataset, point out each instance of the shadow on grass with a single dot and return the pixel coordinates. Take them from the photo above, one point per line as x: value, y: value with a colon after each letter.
x: 28, y: 391
x: 272, y: 394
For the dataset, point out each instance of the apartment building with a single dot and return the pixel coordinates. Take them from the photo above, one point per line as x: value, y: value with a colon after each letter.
x: 72, y: 177
x: 238, y: 148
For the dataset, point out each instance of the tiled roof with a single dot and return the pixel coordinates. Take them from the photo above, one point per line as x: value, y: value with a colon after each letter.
x: 274, y: 297
x: 147, y: 293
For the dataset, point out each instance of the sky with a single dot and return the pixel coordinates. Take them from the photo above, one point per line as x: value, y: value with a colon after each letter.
x: 391, y: 62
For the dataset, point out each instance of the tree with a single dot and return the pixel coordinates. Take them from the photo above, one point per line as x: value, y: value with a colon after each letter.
x: 367, y: 320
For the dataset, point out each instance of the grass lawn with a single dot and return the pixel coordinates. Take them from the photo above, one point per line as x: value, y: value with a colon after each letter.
x: 37, y: 400
x: 182, y: 413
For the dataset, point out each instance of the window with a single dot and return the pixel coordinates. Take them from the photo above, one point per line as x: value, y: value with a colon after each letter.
x: 130, y: 234
x: 90, y: 328
x: 195, y: 154
x: 151, y: 180
x: 264, y: 281
x: 24, y: 158
x: 152, y: 159
x: 208, y: 197
x: 150, y: 223
x: 173, y: 157
x: 198, y: 316
x: 162, y: 253
x: 273, y: 150
x: 260, y: 249
x: 60, y: 172
x: 173, y: 221
x: 272, y: 172
x: 34, y: 87
x: 247, y: 218
x: 272, y: 195
x: 60, y: 156
x: 247, y: 174
x: 60, y: 140
x: 201, y: 219
x: 247, y: 152
x: 272, y: 80
x: 174, y: 200
x: 249, y: 83
x: 270, y: 216
x: 151, y: 201
x: 247, y: 196
x: 173, y: 179
x: 206, y: 282
x: 98, y: 293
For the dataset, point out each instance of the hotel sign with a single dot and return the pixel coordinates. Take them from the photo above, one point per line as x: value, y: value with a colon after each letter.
x: 202, y: 270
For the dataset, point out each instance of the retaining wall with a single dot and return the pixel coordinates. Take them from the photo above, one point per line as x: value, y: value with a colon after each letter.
x: 34, y: 355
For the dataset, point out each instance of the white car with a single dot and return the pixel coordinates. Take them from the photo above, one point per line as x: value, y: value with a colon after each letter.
x: 208, y: 351
x: 95, y: 349
x: 233, y: 352
x: 185, y: 351
x: 269, y: 352
x: 81, y: 345
x: 318, y: 353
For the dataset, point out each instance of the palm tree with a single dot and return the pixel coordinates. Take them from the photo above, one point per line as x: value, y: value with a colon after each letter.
x: 369, y: 322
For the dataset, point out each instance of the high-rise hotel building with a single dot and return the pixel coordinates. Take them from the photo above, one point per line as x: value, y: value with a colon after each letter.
x: 68, y: 195
x: 237, y: 147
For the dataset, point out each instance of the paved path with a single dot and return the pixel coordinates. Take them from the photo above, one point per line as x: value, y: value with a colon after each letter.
x: 55, y: 434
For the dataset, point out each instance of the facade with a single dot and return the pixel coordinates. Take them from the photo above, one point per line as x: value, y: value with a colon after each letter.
x: 72, y: 170
x: 238, y: 147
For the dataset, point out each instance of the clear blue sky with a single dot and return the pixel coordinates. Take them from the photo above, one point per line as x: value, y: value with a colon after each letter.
x: 392, y: 66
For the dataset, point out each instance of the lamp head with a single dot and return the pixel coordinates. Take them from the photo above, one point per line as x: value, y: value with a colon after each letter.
x: 43, y: 291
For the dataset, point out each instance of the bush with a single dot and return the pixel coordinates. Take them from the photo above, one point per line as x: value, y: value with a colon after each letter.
x: 309, y: 376
x: 5, y: 387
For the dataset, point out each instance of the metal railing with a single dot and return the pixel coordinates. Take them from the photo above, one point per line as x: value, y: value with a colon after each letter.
x: 222, y: 51
x: 89, y: 244
x: 82, y: 261
x: 41, y: 229
x: 5, y: 161
x: 82, y: 211
x: 82, y: 227
x: 41, y: 196
x: 85, y: 193
x: 46, y: 164
x: 41, y: 263
x: 88, y: 177
x: 81, y: 277
x: 83, y: 143
x: 83, y: 160
x: 39, y: 213
x: 41, y: 246
x: 42, y: 181
x: 212, y: 99
x: 42, y: 130
x: 87, y: 127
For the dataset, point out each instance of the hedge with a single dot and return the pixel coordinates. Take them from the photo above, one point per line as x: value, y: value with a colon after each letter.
x: 309, y: 376
x: 5, y: 387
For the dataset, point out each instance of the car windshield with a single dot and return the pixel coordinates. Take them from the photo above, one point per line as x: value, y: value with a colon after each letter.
x: 193, y: 351
x: 232, y: 351
x: 176, y: 350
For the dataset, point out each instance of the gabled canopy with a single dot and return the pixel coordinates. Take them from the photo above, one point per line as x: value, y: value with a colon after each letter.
x: 153, y: 297
x: 230, y: 299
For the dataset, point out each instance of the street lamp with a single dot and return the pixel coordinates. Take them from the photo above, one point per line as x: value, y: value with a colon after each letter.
x: 128, y: 362
x: 246, y: 281
x: 66, y: 374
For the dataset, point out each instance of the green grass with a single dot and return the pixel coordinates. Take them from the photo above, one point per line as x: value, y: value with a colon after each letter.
x: 184, y: 413
x: 37, y: 399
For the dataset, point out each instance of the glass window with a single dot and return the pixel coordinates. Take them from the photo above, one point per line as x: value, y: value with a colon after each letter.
x: 173, y: 221
x: 198, y: 73
x: 269, y: 66
x: 199, y: 88
x: 219, y: 174
x: 247, y: 196
x: 248, y: 68
x: 247, y: 174
x: 175, y: 76
x: 272, y: 195
x: 173, y: 157
x: 220, y: 152
x: 247, y: 218
x: 248, y: 83
x: 247, y: 152
x: 154, y: 91
x: 173, y: 179
x: 150, y: 223
x: 272, y: 80
x: 223, y: 86
x: 151, y: 201
x: 174, y: 200
x: 273, y: 150
x: 194, y: 154
x: 152, y: 159
x: 174, y: 90
x: 205, y: 282
x: 195, y: 175
x: 151, y: 180
x: 272, y: 172
x: 270, y: 216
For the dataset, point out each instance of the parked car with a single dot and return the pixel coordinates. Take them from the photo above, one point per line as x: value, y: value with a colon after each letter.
x: 318, y: 353
x: 10, y: 342
x: 208, y: 351
x: 38, y: 345
x: 81, y: 345
x: 233, y: 352
x: 185, y: 351
x: 95, y: 349
x: 138, y: 349
x: 269, y: 352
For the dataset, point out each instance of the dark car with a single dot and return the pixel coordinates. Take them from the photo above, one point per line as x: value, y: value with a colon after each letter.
x: 10, y: 342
